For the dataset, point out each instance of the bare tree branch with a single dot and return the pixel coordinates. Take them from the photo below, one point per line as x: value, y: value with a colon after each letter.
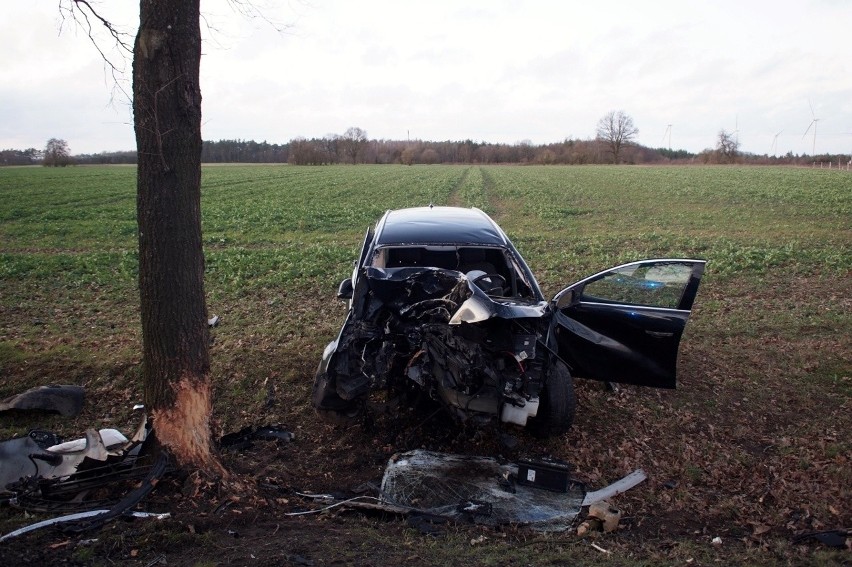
x: 122, y: 39
x: 81, y: 13
x: 248, y: 10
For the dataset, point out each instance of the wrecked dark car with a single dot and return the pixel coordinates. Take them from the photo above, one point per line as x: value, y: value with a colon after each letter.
x: 442, y: 305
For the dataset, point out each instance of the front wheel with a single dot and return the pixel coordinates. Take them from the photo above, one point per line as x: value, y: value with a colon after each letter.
x: 557, y: 402
x: 330, y: 406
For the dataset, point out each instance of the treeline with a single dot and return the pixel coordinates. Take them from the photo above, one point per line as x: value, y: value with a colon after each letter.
x: 345, y: 149
x: 342, y: 149
x: 106, y: 158
x: 354, y: 147
x: 33, y: 156
x: 30, y: 156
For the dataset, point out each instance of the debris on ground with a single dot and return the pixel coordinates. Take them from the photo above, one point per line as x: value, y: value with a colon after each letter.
x: 64, y: 399
x: 473, y: 490
x: 615, y: 488
x: 98, y: 477
x: 433, y: 488
x: 607, y: 514
x: 75, y: 518
x: 42, y: 473
x: 43, y: 455
x: 602, y: 516
x: 832, y: 538
x: 242, y: 439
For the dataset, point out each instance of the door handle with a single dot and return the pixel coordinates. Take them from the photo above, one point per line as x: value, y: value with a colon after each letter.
x: 660, y: 334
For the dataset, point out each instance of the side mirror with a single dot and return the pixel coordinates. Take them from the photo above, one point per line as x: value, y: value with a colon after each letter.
x: 345, y: 290
x: 568, y: 299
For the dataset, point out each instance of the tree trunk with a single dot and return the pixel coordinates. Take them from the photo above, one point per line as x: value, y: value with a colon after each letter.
x: 167, y: 120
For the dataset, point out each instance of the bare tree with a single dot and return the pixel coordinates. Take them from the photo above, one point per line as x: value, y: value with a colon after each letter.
x: 526, y: 151
x: 429, y: 157
x: 616, y: 129
x: 56, y: 153
x: 331, y: 146
x: 407, y: 156
x: 727, y: 147
x: 353, y: 142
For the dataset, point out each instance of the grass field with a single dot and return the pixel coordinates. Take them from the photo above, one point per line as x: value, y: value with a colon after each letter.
x: 753, y: 447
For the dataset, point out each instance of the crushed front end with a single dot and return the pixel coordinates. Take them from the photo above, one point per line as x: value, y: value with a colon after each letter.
x: 436, y: 332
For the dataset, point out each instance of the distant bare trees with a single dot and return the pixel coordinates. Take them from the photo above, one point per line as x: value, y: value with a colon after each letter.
x: 56, y: 153
x: 407, y: 156
x: 353, y: 142
x: 430, y: 157
x: 317, y: 151
x: 615, y: 130
x: 29, y: 156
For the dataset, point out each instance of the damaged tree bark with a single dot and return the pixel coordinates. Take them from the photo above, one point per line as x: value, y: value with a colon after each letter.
x: 167, y: 120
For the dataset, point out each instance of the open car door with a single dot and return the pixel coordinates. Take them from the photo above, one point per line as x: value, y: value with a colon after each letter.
x: 625, y: 324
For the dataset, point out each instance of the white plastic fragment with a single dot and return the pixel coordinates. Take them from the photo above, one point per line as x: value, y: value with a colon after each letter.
x: 615, y: 488
x: 599, y: 548
x: 109, y: 438
x: 74, y: 517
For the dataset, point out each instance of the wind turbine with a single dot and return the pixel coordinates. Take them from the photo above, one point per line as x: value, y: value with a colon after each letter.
x: 775, y: 142
x: 814, y: 124
x: 737, y: 130
x: 669, y: 132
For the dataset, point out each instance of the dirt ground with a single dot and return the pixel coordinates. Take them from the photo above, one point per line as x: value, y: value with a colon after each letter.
x: 669, y: 519
x: 752, y: 448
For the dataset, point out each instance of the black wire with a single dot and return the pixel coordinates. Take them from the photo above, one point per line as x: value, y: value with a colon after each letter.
x: 158, y: 469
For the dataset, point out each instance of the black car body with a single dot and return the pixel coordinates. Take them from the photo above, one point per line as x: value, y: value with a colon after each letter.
x: 442, y: 304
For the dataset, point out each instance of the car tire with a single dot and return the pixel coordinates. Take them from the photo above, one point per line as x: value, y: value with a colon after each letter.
x: 557, y: 402
x: 330, y: 406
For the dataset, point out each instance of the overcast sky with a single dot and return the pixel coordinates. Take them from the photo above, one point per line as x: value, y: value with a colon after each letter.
x: 487, y: 70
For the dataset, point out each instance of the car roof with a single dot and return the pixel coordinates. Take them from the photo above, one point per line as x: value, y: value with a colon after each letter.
x: 438, y: 225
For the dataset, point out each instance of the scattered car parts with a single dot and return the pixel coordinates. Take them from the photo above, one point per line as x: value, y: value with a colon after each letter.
x: 42, y: 454
x: 468, y: 489
x: 432, y: 488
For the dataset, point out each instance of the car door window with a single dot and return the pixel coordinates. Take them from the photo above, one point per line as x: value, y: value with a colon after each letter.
x: 659, y: 284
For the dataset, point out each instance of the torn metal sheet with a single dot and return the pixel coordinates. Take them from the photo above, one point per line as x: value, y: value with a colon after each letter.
x: 21, y: 457
x: 40, y: 473
x: 475, y: 489
x: 64, y: 399
x: 26, y: 457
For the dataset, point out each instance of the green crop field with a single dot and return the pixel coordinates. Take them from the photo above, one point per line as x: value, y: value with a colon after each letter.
x: 266, y: 226
x: 753, y: 447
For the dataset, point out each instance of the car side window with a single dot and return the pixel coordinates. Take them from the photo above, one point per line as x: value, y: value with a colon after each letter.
x: 659, y: 284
